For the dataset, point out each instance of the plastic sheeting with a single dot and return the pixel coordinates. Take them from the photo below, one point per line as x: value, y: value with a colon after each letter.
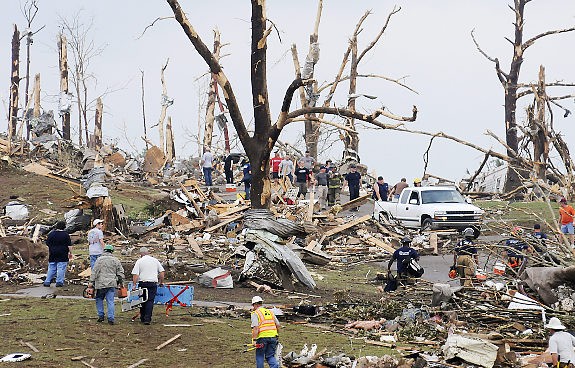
x: 97, y: 190
x: 96, y: 175
x: 262, y: 219
x: 217, y: 278
x: 475, y: 351
x: 16, y: 210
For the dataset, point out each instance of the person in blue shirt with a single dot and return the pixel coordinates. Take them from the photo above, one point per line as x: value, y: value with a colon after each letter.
x: 247, y: 170
x: 353, y: 181
x: 380, y: 190
x: 516, y: 248
x: 540, y: 247
x: 403, y: 255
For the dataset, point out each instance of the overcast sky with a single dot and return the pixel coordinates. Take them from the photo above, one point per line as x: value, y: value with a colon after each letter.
x: 427, y: 41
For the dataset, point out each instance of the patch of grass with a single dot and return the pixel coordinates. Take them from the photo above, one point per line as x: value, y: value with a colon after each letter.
x: 520, y: 213
x: 214, y: 342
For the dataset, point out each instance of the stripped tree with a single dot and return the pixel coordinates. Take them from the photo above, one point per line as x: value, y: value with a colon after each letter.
x: 259, y: 146
x: 512, y: 88
x: 14, y: 85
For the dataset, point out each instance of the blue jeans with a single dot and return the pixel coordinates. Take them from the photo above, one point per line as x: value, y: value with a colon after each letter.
x: 109, y: 294
x: 57, y: 269
x: 93, y: 258
x: 247, y: 188
x: 207, y: 175
x: 267, y: 353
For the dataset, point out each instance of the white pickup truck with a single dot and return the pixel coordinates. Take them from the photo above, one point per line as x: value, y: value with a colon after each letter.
x: 430, y: 208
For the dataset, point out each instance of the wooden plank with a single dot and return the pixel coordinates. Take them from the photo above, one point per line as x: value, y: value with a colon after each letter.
x: 235, y: 210
x: 168, y: 341
x: 194, y: 203
x: 345, y: 226
x: 195, y: 247
x: 372, y: 240
x: 223, y: 223
x: 140, y: 362
x: 355, y: 203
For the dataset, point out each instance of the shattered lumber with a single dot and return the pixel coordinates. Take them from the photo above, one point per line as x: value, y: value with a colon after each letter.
x: 223, y: 223
x: 194, y: 203
x: 343, y: 227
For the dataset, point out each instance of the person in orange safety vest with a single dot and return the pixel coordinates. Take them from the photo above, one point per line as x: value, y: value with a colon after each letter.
x: 265, y: 327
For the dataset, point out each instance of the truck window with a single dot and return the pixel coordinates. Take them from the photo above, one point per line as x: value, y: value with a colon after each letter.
x: 404, y: 195
x: 441, y: 196
x: 414, y: 195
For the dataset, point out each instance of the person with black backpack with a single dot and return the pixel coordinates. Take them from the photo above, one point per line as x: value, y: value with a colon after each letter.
x: 407, y: 258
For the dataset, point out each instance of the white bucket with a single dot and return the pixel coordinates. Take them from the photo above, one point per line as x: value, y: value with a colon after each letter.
x: 499, y: 268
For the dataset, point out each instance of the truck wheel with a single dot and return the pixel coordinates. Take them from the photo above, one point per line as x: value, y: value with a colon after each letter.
x: 384, y: 217
x: 427, y: 224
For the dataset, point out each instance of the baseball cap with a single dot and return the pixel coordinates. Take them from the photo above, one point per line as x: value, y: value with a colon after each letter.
x: 380, y: 178
x: 98, y: 221
x: 352, y: 166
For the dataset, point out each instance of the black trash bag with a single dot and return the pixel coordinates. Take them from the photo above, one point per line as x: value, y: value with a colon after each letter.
x: 391, y: 283
x: 414, y: 269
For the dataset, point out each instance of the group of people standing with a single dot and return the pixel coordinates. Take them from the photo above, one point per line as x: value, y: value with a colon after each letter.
x: 382, y: 191
x: 107, y: 272
x: 327, y: 180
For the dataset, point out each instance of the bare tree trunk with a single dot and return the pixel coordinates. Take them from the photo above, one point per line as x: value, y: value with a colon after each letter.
x: 98, y: 124
x: 144, y: 111
x: 312, y: 126
x: 539, y: 129
x: 170, y: 147
x: 27, y: 96
x: 211, y: 104
x: 14, y: 85
x: 63, y: 51
x: 79, y: 104
x: 351, y: 141
x: 37, y: 96
x: 165, y: 104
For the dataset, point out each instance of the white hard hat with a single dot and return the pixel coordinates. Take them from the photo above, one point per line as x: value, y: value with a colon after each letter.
x: 257, y: 299
x: 555, y: 324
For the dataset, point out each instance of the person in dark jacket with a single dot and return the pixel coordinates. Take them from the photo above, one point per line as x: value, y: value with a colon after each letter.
x: 353, y: 181
x: 403, y: 256
x: 247, y: 171
x: 228, y: 161
x: 58, y: 243
x: 465, y: 258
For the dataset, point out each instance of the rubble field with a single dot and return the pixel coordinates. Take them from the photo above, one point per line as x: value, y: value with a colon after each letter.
x: 324, y: 271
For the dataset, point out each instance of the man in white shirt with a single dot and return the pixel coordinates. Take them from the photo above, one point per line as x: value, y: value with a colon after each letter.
x: 287, y: 169
x: 96, y: 242
x: 147, y: 274
x: 207, y: 163
x: 561, y: 344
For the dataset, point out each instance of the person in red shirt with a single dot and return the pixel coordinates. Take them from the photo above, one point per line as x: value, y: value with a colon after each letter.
x: 566, y: 215
x: 275, y: 166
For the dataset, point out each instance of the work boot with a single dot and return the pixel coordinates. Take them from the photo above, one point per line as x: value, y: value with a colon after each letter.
x: 110, y: 321
x: 59, y: 285
x: 101, y: 319
x: 147, y: 322
x: 46, y: 285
